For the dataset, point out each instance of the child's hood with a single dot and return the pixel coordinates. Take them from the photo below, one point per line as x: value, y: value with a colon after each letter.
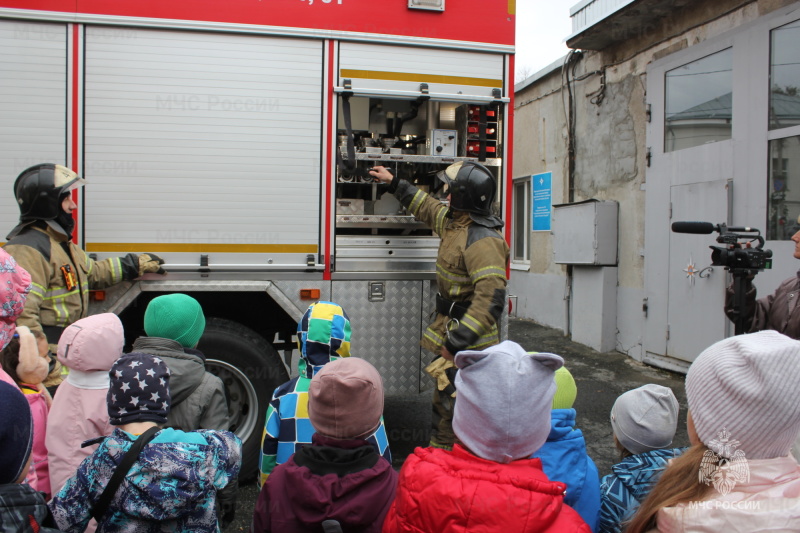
x: 92, y: 344
x: 323, y: 334
x: 176, y: 472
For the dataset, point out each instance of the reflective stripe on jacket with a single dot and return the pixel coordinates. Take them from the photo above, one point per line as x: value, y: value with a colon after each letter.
x: 470, y: 267
x: 51, y: 303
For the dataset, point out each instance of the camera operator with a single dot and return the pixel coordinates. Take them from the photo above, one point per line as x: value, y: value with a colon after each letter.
x: 778, y: 311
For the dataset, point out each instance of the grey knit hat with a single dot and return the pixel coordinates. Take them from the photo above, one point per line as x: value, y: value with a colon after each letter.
x: 646, y: 418
x: 504, y: 400
x: 744, y: 389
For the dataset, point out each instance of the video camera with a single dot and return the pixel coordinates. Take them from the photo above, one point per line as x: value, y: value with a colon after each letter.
x: 738, y: 256
x: 739, y: 253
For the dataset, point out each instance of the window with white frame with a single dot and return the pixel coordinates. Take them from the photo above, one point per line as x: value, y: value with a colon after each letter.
x: 521, y: 231
x: 783, y: 197
x: 699, y: 102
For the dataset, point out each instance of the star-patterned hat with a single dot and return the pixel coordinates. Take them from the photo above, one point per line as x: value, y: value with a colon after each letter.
x: 139, y: 390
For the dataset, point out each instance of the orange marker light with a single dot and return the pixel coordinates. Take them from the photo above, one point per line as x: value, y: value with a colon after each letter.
x: 97, y: 296
x: 309, y: 294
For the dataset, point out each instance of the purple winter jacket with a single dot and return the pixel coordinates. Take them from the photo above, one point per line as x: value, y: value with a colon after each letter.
x: 343, y: 480
x: 778, y: 311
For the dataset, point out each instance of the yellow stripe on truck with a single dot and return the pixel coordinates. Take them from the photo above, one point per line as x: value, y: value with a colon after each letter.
x: 422, y: 78
x: 201, y: 247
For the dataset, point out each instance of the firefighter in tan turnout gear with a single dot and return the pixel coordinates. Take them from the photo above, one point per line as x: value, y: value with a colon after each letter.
x: 61, y: 273
x: 470, y: 274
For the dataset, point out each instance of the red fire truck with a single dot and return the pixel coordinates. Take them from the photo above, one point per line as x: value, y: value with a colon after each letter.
x: 231, y: 139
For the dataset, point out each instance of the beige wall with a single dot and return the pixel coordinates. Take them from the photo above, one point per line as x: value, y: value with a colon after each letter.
x: 610, y: 145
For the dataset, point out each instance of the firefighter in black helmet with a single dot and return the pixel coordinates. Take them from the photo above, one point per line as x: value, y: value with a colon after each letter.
x: 470, y: 274
x: 61, y: 273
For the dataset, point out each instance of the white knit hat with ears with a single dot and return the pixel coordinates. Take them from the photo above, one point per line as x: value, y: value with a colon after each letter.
x: 504, y: 400
x: 744, y: 394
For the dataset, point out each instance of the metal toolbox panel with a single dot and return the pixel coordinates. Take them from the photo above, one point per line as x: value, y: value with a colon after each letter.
x: 387, y: 332
x: 386, y: 254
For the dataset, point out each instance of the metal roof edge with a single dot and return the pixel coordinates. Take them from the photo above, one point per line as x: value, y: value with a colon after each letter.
x: 546, y: 71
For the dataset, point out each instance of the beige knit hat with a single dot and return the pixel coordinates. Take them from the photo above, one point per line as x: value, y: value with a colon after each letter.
x: 345, y: 399
x: 744, y: 390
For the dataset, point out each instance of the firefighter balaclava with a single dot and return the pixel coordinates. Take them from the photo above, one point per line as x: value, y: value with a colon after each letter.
x: 138, y: 390
x: 39, y: 191
x: 323, y: 335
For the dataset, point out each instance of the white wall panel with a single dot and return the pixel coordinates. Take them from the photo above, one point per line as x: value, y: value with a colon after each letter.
x: 33, y: 104
x: 202, y: 138
x: 377, y: 60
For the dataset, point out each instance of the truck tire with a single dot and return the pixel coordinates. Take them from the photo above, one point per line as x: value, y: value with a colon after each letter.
x: 250, y: 368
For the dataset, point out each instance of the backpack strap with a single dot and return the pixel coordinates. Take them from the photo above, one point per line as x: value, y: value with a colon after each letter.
x: 101, y: 506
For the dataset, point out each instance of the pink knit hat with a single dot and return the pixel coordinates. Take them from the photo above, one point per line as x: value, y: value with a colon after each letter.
x: 15, y: 283
x: 92, y: 344
x: 345, y: 399
x: 744, y: 390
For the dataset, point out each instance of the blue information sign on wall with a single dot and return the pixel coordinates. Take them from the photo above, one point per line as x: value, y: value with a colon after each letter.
x: 542, y: 201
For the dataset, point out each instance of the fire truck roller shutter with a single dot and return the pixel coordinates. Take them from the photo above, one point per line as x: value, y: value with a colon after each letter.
x: 33, y: 104
x: 208, y: 137
x: 251, y: 369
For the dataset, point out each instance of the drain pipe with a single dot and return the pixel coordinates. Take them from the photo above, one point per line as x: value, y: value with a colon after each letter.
x: 569, y: 69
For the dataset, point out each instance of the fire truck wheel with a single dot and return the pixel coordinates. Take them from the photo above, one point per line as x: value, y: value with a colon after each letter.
x: 250, y: 368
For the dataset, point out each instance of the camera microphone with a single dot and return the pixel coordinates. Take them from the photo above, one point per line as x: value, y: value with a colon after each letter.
x: 694, y: 227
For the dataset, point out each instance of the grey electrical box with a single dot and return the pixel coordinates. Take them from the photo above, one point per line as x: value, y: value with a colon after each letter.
x: 585, y: 233
x: 442, y: 142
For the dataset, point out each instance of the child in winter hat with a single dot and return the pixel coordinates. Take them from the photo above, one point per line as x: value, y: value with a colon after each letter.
x: 644, y: 421
x: 178, y: 317
x: 502, y: 416
x: 15, y: 283
x: 345, y: 399
x: 23, y: 508
x: 564, y: 456
x: 88, y: 348
x: 174, y: 324
x: 174, y: 483
x: 323, y: 336
x: 345, y: 404
x: 26, y: 359
x: 747, y: 385
x: 16, y: 435
x: 744, y: 415
x: 520, y: 382
x: 138, y: 390
x: 645, y: 418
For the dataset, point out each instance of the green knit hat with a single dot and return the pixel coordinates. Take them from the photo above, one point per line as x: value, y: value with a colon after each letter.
x: 178, y: 317
x: 566, y: 391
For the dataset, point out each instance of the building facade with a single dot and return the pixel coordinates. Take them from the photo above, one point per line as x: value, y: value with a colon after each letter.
x: 672, y: 110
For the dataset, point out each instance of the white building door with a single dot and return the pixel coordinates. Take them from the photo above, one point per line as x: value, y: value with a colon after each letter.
x: 692, y: 168
x: 696, y: 289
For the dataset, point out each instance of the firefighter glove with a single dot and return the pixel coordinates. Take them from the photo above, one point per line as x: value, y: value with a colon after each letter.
x: 149, y: 263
